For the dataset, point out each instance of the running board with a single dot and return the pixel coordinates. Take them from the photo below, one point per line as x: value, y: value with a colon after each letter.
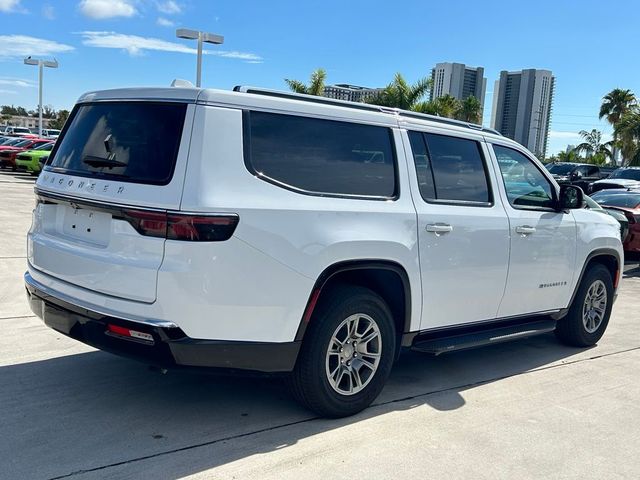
x: 480, y: 338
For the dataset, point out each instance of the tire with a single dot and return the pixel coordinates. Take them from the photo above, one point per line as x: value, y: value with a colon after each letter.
x: 310, y: 382
x: 584, y: 326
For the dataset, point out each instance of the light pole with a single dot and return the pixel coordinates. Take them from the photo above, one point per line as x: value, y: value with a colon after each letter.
x: 41, y: 64
x: 201, y: 37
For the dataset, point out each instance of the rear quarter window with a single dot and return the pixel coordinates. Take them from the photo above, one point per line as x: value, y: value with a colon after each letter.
x: 321, y: 157
x: 130, y: 142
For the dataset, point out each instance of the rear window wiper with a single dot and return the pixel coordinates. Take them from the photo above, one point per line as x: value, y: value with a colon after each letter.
x: 102, y: 162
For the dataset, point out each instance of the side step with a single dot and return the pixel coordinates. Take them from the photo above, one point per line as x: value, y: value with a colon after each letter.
x: 479, y: 338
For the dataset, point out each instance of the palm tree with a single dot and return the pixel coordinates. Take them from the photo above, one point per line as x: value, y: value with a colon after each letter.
x: 627, y: 130
x: 316, y: 84
x: 570, y: 156
x: 447, y: 106
x: 593, y: 146
x: 615, y: 105
x: 399, y: 94
x: 470, y: 110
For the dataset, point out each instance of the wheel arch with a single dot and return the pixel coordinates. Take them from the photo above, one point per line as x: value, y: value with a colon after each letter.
x: 609, y: 258
x: 387, y: 278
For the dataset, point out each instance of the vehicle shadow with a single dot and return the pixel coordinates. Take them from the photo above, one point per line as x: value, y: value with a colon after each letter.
x: 11, y: 175
x: 92, y: 410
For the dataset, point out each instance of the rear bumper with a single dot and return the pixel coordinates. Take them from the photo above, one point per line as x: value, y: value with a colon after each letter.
x: 170, y: 347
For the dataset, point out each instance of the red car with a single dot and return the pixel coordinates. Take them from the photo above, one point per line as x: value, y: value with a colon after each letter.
x: 8, y: 152
x: 626, y: 201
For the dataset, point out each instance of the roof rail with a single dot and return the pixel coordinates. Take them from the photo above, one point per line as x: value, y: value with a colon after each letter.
x: 361, y: 106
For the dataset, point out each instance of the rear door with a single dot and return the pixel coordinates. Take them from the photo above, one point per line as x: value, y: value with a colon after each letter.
x: 117, y: 166
x: 463, y: 230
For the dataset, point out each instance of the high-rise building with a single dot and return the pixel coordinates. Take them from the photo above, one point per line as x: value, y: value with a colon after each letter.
x: 522, y: 104
x: 352, y: 93
x: 459, y: 81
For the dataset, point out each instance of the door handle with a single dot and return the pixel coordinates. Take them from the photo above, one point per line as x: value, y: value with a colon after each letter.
x: 439, y: 228
x: 525, y: 230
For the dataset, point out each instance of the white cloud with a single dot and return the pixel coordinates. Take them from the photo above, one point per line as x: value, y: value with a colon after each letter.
x: 11, y: 6
x: 48, y: 12
x: 136, y: 45
x: 101, y: 9
x: 8, y: 92
x: 169, y: 7
x: 12, y: 46
x: 164, y: 22
x: 16, y: 82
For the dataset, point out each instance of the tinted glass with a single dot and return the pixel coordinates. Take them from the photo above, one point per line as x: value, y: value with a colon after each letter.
x: 423, y: 165
x: 46, y: 147
x: 560, y: 168
x: 322, y: 156
x: 617, y: 199
x: 458, y: 169
x: 526, y: 186
x: 628, y: 173
x: 592, y: 171
x: 131, y: 142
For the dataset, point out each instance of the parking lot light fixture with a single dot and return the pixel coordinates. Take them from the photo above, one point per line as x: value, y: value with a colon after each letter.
x: 201, y: 37
x: 40, y: 64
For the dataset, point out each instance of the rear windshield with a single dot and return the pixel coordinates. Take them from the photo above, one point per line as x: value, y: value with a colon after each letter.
x: 130, y: 142
x: 560, y: 168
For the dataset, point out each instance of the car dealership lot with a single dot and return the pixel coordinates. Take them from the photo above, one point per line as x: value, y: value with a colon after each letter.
x: 529, y: 409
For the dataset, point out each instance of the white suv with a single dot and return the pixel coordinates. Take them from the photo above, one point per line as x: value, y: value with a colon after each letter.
x: 273, y: 232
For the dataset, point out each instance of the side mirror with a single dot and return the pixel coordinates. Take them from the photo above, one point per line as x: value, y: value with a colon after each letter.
x: 570, y: 197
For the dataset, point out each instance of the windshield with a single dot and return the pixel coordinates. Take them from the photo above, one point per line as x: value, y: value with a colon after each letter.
x: 560, y: 168
x: 22, y: 143
x: 129, y: 141
x: 13, y: 142
x: 45, y: 147
x: 21, y: 130
x: 628, y: 173
x: 607, y: 198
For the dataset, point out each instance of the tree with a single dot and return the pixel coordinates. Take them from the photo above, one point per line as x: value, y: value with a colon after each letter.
x: 592, y: 145
x: 399, y: 94
x: 570, y: 156
x: 60, y: 119
x: 627, y: 130
x: 315, y: 87
x: 469, y: 110
x: 615, y: 105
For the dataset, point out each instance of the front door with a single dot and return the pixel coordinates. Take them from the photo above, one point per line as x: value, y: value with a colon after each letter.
x: 543, y: 241
x: 463, y: 231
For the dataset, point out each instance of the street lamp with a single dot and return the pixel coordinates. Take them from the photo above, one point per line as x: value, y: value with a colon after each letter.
x: 202, y: 37
x: 41, y: 64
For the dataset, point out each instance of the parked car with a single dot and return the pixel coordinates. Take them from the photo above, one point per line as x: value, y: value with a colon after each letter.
x: 578, y: 174
x: 8, y: 154
x: 10, y: 141
x: 50, y: 133
x: 16, y: 131
x: 29, y: 160
x: 624, y: 177
x: 312, y: 237
x: 626, y: 202
x: 591, y: 204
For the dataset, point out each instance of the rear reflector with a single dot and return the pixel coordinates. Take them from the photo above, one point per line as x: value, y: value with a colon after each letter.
x: 126, y: 332
x: 177, y: 226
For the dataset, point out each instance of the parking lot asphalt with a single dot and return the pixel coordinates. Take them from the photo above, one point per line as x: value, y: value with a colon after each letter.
x: 528, y: 409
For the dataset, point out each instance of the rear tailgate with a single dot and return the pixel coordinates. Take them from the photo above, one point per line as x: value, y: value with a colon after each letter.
x: 115, y: 164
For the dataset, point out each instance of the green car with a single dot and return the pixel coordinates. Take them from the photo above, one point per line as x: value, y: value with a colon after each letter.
x: 30, y: 160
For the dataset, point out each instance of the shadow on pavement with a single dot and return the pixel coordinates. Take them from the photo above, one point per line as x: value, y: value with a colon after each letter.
x: 92, y: 410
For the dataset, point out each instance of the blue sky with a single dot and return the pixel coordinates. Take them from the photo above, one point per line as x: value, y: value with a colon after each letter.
x: 591, y: 46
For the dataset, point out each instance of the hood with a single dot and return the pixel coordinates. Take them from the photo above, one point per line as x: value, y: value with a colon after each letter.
x: 624, y: 182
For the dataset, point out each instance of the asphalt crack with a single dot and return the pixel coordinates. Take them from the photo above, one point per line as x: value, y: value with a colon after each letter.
x: 298, y: 422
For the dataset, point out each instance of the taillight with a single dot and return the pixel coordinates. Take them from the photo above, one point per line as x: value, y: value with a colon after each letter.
x: 178, y: 226
x: 201, y: 228
x: 150, y: 224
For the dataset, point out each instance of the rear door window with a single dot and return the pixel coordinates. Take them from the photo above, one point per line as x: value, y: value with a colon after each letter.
x: 450, y: 169
x: 130, y: 142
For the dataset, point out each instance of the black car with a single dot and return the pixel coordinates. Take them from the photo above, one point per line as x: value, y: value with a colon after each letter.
x: 578, y: 174
x: 623, y: 177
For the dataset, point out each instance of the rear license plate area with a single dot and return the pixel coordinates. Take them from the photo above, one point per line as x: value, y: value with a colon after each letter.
x: 87, y: 225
